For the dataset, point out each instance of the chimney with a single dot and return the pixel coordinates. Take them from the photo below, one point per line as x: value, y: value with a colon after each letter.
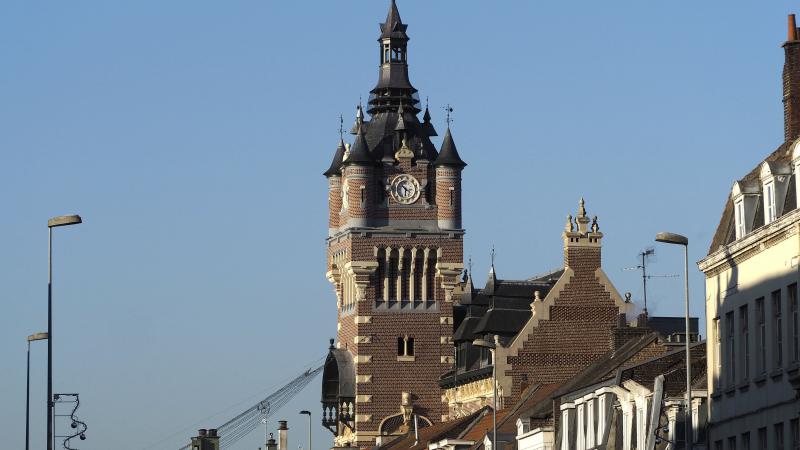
x: 582, y: 241
x: 205, y: 440
x: 271, y: 445
x: 283, y: 435
x: 791, y: 83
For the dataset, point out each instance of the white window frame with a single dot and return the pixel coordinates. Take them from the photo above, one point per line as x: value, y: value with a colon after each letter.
x: 741, y: 229
x: 769, y: 202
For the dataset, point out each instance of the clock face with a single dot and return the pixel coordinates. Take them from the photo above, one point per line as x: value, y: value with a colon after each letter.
x: 405, y: 189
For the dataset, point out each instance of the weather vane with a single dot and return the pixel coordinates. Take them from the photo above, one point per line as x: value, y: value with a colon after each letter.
x: 426, y: 102
x: 493, y: 254
x: 469, y: 264
x: 341, y: 127
x: 448, y: 109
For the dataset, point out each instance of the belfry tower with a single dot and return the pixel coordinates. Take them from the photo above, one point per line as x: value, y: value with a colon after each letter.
x: 395, y: 253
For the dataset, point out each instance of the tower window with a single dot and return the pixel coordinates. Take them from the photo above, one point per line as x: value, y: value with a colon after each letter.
x: 405, y: 348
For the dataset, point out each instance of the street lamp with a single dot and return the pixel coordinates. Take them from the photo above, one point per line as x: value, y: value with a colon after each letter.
x: 308, y: 413
x: 31, y: 338
x: 492, y: 346
x: 677, y: 239
x: 60, y: 221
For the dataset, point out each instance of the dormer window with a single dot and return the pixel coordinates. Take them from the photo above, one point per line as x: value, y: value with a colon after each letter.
x: 774, y: 184
x: 769, y: 202
x: 744, y: 196
x: 740, y: 221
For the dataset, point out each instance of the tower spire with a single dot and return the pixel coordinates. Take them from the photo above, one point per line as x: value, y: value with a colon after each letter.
x: 394, y: 87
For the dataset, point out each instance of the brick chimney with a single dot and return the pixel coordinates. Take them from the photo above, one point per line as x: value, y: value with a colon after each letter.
x: 582, y: 241
x: 791, y: 83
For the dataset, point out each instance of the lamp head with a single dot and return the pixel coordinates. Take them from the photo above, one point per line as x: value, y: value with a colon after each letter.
x: 62, y: 221
x: 37, y: 337
x: 308, y: 413
x: 671, y: 238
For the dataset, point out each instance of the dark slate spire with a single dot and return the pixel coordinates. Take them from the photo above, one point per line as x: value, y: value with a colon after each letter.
x: 427, y: 126
x: 359, y: 152
x: 393, y: 87
x: 393, y: 27
x: 336, y: 164
x: 448, y: 155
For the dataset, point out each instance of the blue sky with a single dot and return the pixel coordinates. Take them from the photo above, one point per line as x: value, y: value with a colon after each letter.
x: 191, y: 136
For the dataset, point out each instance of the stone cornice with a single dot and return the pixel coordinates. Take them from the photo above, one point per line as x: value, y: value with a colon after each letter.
x: 750, y: 245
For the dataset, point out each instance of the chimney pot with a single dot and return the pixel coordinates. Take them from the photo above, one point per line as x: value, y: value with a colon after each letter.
x: 792, y: 29
x: 201, y: 432
x: 282, y: 425
x: 212, y: 432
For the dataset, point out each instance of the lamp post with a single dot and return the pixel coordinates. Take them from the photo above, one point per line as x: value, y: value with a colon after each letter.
x: 308, y: 413
x: 31, y: 338
x: 677, y: 239
x: 59, y: 221
x: 492, y: 346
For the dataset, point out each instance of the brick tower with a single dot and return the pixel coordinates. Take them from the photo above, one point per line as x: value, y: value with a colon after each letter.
x: 395, y: 244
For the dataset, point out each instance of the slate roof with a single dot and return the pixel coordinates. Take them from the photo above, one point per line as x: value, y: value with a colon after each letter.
x: 434, y: 433
x: 448, y: 154
x: 726, y: 232
x: 502, y: 307
x: 359, y: 152
x: 336, y: 164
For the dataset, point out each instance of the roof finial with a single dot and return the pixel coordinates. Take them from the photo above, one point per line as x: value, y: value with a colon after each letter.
x: 341, y: 127
x: 581, y: 208
x: 469, y: 263
x: 570, y: 226
x: 448, y: 109
x: 492, y: 255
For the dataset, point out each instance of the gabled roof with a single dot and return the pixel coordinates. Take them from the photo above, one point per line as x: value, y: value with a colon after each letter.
x: 435, y: 433
x: 448, y: 155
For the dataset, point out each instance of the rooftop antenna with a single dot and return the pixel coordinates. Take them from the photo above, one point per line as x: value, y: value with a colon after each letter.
x: 448, y: 109
x: 645, y: 255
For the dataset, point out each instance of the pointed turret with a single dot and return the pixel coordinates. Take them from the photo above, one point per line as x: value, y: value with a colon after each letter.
x: 336, y: 164
x: 448, y: 155
x: 401, y: 123
x: 427, y: 126
x: 359, y: 152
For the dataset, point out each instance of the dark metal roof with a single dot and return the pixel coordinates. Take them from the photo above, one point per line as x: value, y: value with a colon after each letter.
x: 339, y: 375
x: 336, y: 164
x: 393, y: 27
x: 448, y: 155
x: 359, y: 152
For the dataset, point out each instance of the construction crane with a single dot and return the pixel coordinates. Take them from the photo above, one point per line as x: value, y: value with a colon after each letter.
x: 248, y: 420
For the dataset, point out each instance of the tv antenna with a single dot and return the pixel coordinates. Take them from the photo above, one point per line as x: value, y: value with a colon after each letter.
x: 644, y: 254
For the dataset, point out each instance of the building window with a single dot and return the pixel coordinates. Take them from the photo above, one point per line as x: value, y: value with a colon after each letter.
x: 732, y: 443
x: 762, y: 336
x: 795, y: 336
x: 769, y: 202
x: 405, y: 346
x: 730, y: 348
x: 486, y: 357
x: 744, y: 342
x: 461, y: 357
x: 740, y: 219
x: 717, y: 352
x: 794, y: 428
x: 779, y: 436
x: 745, y: 441
x: 718, y: 445
x: 777, y: 330
x: 762, y: 439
